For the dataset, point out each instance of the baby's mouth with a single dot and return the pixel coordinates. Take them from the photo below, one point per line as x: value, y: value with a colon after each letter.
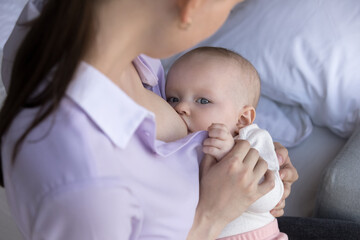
x: 188, y: 129
x: 187, y: 125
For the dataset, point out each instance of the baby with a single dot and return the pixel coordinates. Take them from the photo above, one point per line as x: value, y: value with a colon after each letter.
x: 217, y: 90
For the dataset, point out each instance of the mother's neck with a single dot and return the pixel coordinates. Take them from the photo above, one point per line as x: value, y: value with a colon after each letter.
x: 120, y: 33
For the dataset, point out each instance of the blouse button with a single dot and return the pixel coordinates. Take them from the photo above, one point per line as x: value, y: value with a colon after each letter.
x: 146, y: 133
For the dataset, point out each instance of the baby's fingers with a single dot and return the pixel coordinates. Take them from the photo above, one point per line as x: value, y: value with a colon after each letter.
x: 213, y: 151
x: 220, y: 131
x: 214, y: 142
x: 216, y: 147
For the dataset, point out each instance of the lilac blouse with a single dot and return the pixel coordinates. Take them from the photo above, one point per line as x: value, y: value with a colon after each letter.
x: 94, y: 169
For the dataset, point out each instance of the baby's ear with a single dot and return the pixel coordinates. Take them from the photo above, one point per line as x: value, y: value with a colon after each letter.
x: 246, y: 116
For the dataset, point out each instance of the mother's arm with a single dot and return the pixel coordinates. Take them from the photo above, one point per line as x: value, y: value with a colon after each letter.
x: 228, y: 188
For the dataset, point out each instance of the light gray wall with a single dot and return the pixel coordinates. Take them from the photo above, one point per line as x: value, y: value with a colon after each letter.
x: 9, y: 12
x: 2, y: 90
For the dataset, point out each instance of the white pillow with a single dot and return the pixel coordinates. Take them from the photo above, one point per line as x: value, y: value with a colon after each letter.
x: 306, y: 52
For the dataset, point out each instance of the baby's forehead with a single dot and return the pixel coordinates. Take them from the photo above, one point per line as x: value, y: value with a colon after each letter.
x: 209, y: 65
x: 210, y: 62
x: 233, y: 71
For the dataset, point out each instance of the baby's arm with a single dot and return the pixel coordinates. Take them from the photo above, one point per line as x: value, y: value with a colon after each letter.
x: 219, y: 142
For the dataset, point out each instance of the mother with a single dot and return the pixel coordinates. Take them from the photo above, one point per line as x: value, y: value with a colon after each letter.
x: 90, y: 150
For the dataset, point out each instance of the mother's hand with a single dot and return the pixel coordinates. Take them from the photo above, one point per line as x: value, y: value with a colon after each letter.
x: 228, y: 188
x: 288, y: 175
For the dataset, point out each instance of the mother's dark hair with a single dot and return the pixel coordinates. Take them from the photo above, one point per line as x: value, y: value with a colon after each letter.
x: 57, y: 40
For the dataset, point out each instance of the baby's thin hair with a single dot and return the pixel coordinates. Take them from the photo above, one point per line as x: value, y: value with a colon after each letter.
x: 246, y: 67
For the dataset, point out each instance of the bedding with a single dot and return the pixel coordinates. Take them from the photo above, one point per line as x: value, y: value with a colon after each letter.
x: 307, y: 54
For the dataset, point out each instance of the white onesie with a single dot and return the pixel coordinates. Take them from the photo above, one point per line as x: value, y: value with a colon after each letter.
x: 258, y: 214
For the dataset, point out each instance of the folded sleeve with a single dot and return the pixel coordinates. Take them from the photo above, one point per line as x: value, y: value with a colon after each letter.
x: 91, y: 212
x: 261, y: 140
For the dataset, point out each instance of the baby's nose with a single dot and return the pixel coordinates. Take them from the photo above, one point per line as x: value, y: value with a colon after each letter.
x: 182, y: 108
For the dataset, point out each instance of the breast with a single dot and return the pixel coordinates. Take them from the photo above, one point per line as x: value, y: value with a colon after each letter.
x: 169, y: 125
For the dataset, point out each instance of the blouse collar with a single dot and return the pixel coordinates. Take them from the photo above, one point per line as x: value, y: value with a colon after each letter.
x: 115, y: 113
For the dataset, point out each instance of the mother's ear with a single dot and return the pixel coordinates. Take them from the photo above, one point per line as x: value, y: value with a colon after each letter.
x: 186, y: 11
x: 246, y: 116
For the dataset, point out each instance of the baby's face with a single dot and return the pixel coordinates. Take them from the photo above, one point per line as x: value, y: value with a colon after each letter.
x: 202, y: 94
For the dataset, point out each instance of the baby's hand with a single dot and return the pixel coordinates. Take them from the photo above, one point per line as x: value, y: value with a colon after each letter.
x: 220, y: 141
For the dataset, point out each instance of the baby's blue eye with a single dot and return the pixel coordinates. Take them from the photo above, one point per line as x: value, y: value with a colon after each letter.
x: 172, y: 99
x: 202, y: 101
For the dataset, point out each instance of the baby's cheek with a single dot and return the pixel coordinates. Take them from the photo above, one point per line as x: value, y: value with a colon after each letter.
x: 202, y: 124
x: 204, y: 117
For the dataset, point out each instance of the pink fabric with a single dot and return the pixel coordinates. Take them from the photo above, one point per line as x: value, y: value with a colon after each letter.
x: 268, y: 232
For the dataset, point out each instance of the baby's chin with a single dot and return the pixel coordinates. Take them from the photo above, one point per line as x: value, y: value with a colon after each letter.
x: 195, y: 130
x: 191, y: 130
